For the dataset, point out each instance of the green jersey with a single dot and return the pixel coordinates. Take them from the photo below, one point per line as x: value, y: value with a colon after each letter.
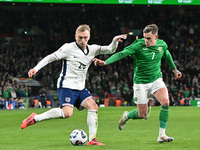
x: 147, y: 60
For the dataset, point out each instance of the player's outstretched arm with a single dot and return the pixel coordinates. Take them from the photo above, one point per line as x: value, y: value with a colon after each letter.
x: 111, y: 48
x: 32, y: 72
x: 99, y: 62
x: 177, y: 73
x: 46, y: 60
x: 120, y: 37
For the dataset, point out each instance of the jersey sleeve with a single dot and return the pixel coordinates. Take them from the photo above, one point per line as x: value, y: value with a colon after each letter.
x: 132, y: 49
x: 168, y: 57
x: 129, y: 50
x: 46, y: 60
x: 111, y: 48
x: 62, y: 52
x: 57, y: 55
x: 116, y: 57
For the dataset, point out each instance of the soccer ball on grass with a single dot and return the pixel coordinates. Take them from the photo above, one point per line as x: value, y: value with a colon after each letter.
x: 78, y: 137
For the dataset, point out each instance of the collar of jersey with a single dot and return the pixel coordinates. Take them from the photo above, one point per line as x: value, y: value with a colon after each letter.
x: 82, y: 49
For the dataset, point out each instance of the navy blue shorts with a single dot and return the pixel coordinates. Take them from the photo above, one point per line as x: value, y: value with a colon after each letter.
x: 73, y: 98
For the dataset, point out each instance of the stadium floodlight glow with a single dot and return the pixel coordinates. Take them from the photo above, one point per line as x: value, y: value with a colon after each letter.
x: 130, y: 33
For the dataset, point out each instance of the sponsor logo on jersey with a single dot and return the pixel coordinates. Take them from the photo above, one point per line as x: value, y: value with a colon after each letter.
x: 160, y: 49
x: 144, y: 48
x: 67, y: 99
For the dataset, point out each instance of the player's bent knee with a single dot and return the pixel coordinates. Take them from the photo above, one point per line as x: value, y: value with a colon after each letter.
x: 142, y: 115
x: 67, y: 111
x: 93, y: 106
x: 90, y: 105
x: 165, y: 102
x: 67, y: 115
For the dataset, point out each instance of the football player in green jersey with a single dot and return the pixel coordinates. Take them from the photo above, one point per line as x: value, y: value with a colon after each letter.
x: 147, y: 54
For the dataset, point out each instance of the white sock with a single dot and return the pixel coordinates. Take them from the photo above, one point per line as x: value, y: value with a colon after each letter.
x: 162, y: 132
x: 52, y: 113
x: 92, y: 121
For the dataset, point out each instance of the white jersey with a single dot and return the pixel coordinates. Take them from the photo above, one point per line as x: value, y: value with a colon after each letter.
x: 75, y: 62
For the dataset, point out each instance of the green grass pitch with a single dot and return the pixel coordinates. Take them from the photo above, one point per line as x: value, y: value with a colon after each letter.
x: 183, y: 125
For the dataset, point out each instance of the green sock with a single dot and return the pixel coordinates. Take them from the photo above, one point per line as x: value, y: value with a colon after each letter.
x: 133, y: 114
x: 164, y: 116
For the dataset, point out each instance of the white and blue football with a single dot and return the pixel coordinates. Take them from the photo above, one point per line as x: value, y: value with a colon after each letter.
x: 78, y: 137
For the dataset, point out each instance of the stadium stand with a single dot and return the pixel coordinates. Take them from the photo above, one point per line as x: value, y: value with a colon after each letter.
x: 30, y: 32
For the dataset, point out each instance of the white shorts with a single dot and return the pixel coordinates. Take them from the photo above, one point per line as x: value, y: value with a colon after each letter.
x: 142, y: 92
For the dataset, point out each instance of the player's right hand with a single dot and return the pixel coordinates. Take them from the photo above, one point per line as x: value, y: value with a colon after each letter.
x: 99, y: 62
x: 32, y: 72
x: 120, y: 37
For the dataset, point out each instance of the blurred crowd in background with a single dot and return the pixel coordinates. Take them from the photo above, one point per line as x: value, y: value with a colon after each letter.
x: 30, y: 32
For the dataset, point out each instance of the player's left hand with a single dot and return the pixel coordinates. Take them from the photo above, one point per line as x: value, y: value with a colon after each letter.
x: 177, y: 73
x: 120, y: 37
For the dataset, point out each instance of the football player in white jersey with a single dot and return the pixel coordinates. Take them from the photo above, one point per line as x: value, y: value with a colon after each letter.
x: 77, y: 57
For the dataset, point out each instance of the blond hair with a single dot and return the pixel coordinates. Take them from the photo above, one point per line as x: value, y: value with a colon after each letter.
x: 82, y: 28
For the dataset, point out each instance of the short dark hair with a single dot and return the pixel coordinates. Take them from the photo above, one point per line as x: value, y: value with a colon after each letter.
x: 151, y: 28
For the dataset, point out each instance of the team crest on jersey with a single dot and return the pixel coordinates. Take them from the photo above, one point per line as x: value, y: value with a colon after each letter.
x: 160, y: 49
x: 67, y: 99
